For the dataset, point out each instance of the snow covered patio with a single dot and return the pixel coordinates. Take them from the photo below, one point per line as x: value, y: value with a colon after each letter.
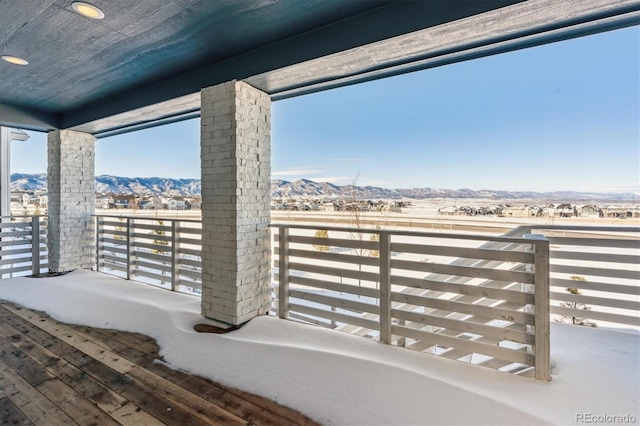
x: 336, y: 378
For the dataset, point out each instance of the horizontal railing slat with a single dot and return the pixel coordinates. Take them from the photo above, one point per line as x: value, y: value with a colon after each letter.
x: 15, y: 261
x: 596, y: 315
x: 596, y: 257
x: 334, y: 286
x: 465, y: 271
x: 595, y: 242
x: 116, y: 266
x: 337, y: 272
x: 464, y: 308
x: 598, y: 301
x: 348, y: 243
x: 194, y: 284
x: 334, y: 257
x: 337, y: 302
x: 150, y: 265
x: 500, y: 333
x: 140, y: 236
x: 596, y: 286
x: 598, y: 272
x: 464, y: 252
x: 190, y: 273
x: 335, y: 316
x: 153, y: 275
x: 468, y: 345
x: 464, y: 289
x: 113, y: 249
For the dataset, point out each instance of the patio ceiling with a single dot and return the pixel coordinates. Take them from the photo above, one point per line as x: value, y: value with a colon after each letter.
x: 145, y: 62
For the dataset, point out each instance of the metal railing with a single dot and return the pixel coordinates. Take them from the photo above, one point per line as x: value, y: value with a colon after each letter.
x: 23, y: 245
x: 158, y: 251
x: 479, y: 299
x: 595, y: 274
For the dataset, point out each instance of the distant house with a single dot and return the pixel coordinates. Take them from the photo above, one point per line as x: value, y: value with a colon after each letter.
x: 517, y: 211
x: 591, y: 211
x: 566, y: 210
x: 177, y: 203
x: 122, y: 201
x: 101, y: 202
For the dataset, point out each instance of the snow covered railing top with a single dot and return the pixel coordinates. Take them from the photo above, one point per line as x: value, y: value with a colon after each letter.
x: 23, y: 245
x: 477, y: 298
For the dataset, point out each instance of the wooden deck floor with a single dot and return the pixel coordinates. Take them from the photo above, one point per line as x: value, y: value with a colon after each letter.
x: 53, y: 373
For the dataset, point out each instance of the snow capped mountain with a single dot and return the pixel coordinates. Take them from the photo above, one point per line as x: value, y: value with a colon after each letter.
x: 26, y: 182
x: 305, y: 188
x: 147, y: 186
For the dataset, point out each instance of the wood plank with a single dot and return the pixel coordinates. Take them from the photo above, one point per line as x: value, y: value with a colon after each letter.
x: 10, y: 414
x: 227, y: 398
x: 142, y: 396
x: 36, y: 407
x: 110, y: 402
x: 189, y: 402
x: 34, y: 374
x: 247, y: 406
x: 76, y: 406
x: 86, y: 345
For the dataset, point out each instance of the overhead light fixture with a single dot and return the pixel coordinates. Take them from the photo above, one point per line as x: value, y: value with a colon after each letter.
x: 85, y: 9
x: 14, y: 60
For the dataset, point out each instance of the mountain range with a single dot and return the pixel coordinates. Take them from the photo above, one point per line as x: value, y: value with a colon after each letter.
x: 305, y: 188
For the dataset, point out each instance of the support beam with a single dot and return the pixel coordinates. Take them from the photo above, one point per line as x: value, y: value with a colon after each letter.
x: 71, y: 185
x: 236, y: 170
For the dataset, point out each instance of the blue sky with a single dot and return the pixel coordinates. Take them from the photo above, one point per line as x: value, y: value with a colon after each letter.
x: 564, y: 116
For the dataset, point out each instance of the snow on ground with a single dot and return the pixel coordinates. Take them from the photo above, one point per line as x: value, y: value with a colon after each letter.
x: 337, y: 378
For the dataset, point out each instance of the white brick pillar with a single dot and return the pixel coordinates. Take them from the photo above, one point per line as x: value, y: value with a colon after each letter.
x: 71, y: 185
x: 236, y: 174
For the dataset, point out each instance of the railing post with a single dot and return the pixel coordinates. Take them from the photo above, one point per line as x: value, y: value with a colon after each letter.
x: 175, y: 269
x: 385, y: 287
x: 283, y: 272
x: 99, y: 228
x: 542, y: 314
x: 130, y: 254
x: 35, y: 244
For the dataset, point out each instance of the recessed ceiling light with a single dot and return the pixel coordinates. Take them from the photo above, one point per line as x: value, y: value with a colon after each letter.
x: 14, y: 60
x: 87, y: 10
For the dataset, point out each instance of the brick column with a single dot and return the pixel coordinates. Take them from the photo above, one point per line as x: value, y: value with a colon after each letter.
x: 236, y: 174
x: 71, y: 185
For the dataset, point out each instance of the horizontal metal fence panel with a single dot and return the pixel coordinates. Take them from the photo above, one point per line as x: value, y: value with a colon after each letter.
x: 465, y: 271
x: 506, y: 256
x: 469, y: 346
x: 464, y: 289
